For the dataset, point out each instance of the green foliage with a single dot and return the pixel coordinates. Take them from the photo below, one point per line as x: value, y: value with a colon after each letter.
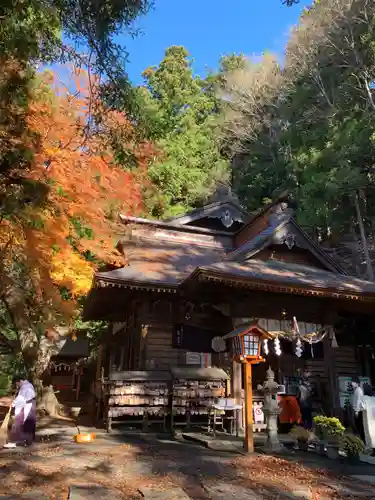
x: 331, y: 425
x: 309, y: 126
x: 9, y: 366
x: 30, y: 31
x: 16, y: 141
x: 80, y: 228
x: 11, y: 361
x: 56, y: 249
x: 93, y: 330
x: 177, y: 110
x: 34, y: 32
x: 352, y: 445
x: 36, y: 222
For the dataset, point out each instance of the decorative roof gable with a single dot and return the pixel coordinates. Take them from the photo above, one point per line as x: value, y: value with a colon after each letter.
x: 279, y: 227
x: 224, y: 207
x: 228, y: 212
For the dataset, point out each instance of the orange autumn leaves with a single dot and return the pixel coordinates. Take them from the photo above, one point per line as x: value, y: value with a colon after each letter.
x: 78, y: 226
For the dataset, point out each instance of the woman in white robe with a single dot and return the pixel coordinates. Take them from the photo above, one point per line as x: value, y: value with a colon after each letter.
x: 369, y: 417
x: 24, y: 404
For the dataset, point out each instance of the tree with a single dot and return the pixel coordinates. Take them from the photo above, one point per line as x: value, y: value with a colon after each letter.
x: 49, y: 250
x: 33, y: 32
x: 36, y: 32
x: 251, y: 126
x: 177, y: 111
x: 309, y: 125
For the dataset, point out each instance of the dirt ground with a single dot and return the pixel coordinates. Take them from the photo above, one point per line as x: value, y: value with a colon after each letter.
x: 126, y: 464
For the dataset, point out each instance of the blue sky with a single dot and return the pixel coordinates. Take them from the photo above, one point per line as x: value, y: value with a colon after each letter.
x: 210, y: 29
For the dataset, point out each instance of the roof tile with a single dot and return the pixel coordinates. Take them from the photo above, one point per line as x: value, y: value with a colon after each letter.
x: 290, y: 275
x: 163, y: 262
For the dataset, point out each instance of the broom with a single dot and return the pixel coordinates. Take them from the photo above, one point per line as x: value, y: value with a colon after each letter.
x: 4, y: 427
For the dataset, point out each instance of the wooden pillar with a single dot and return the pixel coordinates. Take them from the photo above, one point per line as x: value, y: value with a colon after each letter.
x: 329, y: 362
x: 79, y: 373
x: 121, y: 367
x: 143, y: 348
x: 249, y: 436
x: 99, y: 362
x: 366, y: 361
x: 236, y: 389
x: 110, y: 359
x: 73, y: 368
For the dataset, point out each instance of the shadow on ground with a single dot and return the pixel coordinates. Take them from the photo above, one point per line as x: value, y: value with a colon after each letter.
x: 126, y: 463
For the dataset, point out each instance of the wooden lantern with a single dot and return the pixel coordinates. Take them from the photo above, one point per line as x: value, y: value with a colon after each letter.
x: 246, y: 345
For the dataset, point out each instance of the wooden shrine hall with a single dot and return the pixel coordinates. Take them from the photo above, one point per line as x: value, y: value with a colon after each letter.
x: 192, y: 279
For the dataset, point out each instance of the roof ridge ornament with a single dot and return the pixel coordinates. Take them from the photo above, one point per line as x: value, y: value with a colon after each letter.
x: 226, y: 218
x: 289, y: 240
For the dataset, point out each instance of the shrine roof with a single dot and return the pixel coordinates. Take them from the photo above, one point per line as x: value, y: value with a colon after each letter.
x: 244, y: 328
x: 170, y: 266
x: 164, y: 256
x: 211, y: 208
x: 75, y: 348
x: 185, y: 222
x: 277, y: 232
x: 260, y: 241
x: 283, y: 274
x: 159, y: 262
x: 171, y: 225
x: 194, y: 373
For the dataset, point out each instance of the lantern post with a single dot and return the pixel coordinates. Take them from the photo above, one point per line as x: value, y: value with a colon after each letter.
x: 246, y: 345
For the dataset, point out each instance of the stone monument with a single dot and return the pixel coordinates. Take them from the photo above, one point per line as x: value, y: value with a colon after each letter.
x: 271, y: 410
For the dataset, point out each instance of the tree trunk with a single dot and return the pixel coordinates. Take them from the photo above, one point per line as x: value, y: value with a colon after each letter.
x: 370, y: 271
x: 36, y: 380
x: 46, y: 398
x: 36, y: 363
x: 36, y: 347
x: 48, y: 402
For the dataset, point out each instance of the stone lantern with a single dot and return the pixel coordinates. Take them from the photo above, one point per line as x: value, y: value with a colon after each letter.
x: 271, y: 409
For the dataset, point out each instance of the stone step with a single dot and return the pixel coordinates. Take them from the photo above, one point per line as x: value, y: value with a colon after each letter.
x: 92, y: 492
x: 352, y: 490
x: 365, y: 479
x: 32, y: 495
x: 224, y: 491
x: 151, y: 493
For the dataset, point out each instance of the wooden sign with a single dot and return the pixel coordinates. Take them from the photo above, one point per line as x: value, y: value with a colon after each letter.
x: 193, y: 338
x: 193, y: 358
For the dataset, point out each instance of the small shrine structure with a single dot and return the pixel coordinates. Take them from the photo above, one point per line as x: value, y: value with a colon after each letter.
x: 67, y: 371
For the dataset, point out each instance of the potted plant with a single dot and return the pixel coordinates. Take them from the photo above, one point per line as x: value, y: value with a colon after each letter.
x: 353, y: 446
x: 302, y: 436
x: 330, y: 430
